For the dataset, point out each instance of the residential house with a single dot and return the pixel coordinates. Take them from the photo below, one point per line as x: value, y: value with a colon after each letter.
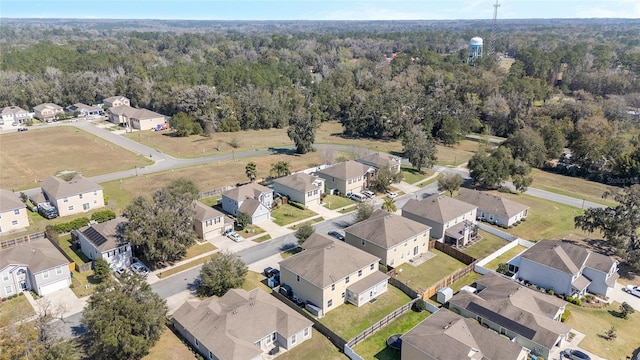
x: 253, y: 199
x: 380, y: 159
x: 446, y: 335
x: 14, y: 114
x: 240, y: 325
x: 393, y: 238
x: 300, y: 187
x: 494, y: 209
x: 73, y: 197
x: 13, y: 212
x: 47, y: 111
x: 105, y: 241
x: 528, y: 317
x: 210, y: 222
x: 141, y: 119
x: 115, y: 101
x: 346, y: 177
x: 33, y: 265
x: 85, y: 110
x: 329, y: 272
x: 568, y: 269
x: 452, y: 221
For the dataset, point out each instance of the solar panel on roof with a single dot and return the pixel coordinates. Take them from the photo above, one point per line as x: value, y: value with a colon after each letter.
x: 94, y: 236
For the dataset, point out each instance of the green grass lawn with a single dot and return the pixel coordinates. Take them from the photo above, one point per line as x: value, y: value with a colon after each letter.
x: 510, y: 254
x: 333, y: 202
x: 468, y: 279
x: 290, y: 252
x: 428, y: 273
x: 199, y: 249
x: 250, y: 231
x: 185, y: 266
x: 287, y: 214
x: 83, y: 283
x: 255, y: 280
x: 375, y: 347
x: 310, y: 222
x: 316, y: 348
x: 348, y: 320
x: 570, y: 186
x: 348, y: 209
x: 77, y: 255
x: 16, y: 309
x: 428, y: 182
x: 411, y: 175
x: 169, y: 347
x: 595, y: 322
x: 262, y: 238
x: 488, y: 245
x: 211, y: 200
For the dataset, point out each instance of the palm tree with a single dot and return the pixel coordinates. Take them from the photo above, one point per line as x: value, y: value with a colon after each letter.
x: 389, y: 205
x: 281, y: 168
x: 251, y: 170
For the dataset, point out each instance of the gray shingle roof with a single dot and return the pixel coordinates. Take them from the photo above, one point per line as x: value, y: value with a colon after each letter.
x: 59, y: 188
x: 12, y: 110
x: 301, y: 182
x: 599, y: 262
x: 379, y: 159
x: 229, y: 326
x: 438, y: 208
x: 130, y: 112
x: 558, y: 255
x: 51, y: 106
x: 38, y: 255
x: 490, y: 203
x: 386, y: 229
x: 10, y: 201
x: 107, y: 235
x: 204, y: 212
x: 325, y: 261
x: 246, y: 191
x: 345, y: 170
x: 249, y: 206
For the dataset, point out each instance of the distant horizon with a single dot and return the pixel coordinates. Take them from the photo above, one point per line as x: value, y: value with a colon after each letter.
x: 316, y: 10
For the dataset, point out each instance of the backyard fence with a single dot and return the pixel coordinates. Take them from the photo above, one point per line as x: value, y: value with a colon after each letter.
x: 454, y: 253
x: 433, y: 290
x: 21, y: 239
x: 220, y: 190
x: 380, y: 324
x: 402, y: 286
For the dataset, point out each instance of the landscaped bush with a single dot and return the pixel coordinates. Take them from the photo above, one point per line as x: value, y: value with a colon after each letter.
x: 550, y: 292
x: 72, y: 225
x: 297, y: 205
x: 565, y: 315
x: 103, y: 215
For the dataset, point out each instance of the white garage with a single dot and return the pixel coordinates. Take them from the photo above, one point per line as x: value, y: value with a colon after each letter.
x: 49, y: 288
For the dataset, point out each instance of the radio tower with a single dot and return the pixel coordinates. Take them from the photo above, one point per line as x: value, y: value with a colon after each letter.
x: 492, y: 38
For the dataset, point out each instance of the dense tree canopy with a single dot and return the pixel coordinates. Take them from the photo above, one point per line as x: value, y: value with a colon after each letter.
x: 222, y: 272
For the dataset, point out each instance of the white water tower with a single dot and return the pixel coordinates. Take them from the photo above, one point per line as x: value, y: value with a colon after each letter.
x: 475, y: 49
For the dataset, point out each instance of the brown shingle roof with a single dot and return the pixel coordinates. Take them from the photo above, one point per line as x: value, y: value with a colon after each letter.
x: 204, y: 212
x: 246, y: 191
x: 490, y: 203
x: 446, y: 335
x: 325, y: 261
x: 51, y: 106
x: 371, y: 280
x: 379, y: 159
x: 438, y: 208
x: 140, y: 114
x: 301, y: 182
x: 345, y: 170
x: 107, y: 235
x: 558, y: 255
x: 10, y: 201
x: 386, y: 229
x: 59, y: 188
x: 38, y: 255
x: 12, y: 110
x: 111, y: 99
x: 229, y: 326
x: 249, y: 206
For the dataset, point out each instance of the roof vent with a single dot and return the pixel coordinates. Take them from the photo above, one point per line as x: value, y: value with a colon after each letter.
x: 252, y: 303
x: 235, y: 311
x: 446, y: 327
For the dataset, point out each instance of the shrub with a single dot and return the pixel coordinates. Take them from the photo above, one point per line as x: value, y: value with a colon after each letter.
x: 106, y: 199
x: 297, y: 205
x: 419, y: 306
x: 103, y: 215
x: 72, y: 225
x: 550, y: 292
x: 565, y: 315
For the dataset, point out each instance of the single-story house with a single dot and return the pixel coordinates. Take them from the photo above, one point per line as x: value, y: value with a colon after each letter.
x: 329, y: 272
x: 567, y: 269
x: 141, y: 119
x: 393, y: 238
x: 346, y: 177
x: 381, y: 159
x: 452, y: 221
x: 240, y: 325
x: 11, y: 114
x: 85, y: 110
x: 47, y: 111
x: 115, y: 101
x: 105, y: 241
x: 72, y: 197
x: 528, y: 317
x: 13, y: 212
x: 253, y: 199
x: 33, y: 265
x: 494, y: 209
x: 210, y: 222
x: 446, y: 335
x: 300, y: 187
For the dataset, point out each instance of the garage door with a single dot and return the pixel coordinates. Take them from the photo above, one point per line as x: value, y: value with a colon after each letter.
x: 260, y: 218
x: 58, y: 285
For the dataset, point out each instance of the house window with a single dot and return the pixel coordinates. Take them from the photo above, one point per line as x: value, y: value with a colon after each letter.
x: 95, y: 201
x: 197, y: 343
x: 405, y: 244
x: 66, y: 200
x: 71, y: 208
x: 343, y: 294
x: 293, y: 339
x: 346, y: 280
x: 305, y: 332
x: 59, y: 270
x: 362, y: 242
x: 274, y: 336
x: 14, y: 222
x: 359, y: 178
x: 208, y: 223
x: 309, y: 193
x: 5, y: 277
x: 86, y: 207
x: 315, y: 192
x: 297, y: 277
x: 333, y: 287
x: 210, y: 355
x: 371, y: 267
x: 8, y: 290
x: 16, y: 212
x: 359, y: 272
x: 80, y: 196
x: 330, y: 303
x: 45, y: 275
x: 349, y: 181
x: 217, y: 220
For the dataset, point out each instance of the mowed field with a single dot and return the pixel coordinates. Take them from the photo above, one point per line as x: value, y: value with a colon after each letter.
x: 27, y: 157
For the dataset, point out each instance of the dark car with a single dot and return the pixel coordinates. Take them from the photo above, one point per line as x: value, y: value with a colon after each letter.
x: 336, y: 235
x: 576, y: 355
x: 267, y: 271
x: 22, y: 129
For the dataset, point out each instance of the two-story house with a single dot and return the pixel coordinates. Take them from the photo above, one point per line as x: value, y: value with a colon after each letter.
x: 328, y: 273
x: 252, y: 199
x: 14, y: 114
x: 47, y: 111
x: 33, y: 265
x: 241, y: 325
x: 75, y: 196
x: 568, y: 269
x: 105, y: 241
x: 452, y: 221
x: 393, y: 238
x: 346, y: 177
x: 115, y: 101
x: 210, y: 222
x: 494, y: 209
x: 529, y: 318
x: 300, y: 187
x: 13, y: 212
x: 379, y: 160
x: 141, y: 119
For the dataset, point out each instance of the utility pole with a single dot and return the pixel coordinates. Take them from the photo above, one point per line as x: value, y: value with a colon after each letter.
x: 492, y: 39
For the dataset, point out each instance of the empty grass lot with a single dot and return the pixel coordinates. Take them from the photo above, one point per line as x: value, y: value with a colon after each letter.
x: 348, y: 320
x: 333, y: 202
x: 488, y: 245
x: 169, y: 347
x: 23, y: 161
x: 504, y: 258
x: 375, y: 347
x: 570, y: 186
x: 211, y: 200
x: 595, y: 322
x: 286, y: 214
x: 316, y: 348
x: 15, y: 310
x: 428, y: 273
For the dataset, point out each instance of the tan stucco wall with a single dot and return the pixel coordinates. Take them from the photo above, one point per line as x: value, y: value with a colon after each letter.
x: 7, y: 217
x: 94, y: 199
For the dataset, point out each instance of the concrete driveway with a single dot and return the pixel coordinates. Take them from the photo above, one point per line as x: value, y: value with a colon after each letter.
x: 620, y: 296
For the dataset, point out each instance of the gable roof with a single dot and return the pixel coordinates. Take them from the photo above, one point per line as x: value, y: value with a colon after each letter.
x: 345, y: 170
x: 300, y: 181
x: 105, y: 236
x: 38, y: 255
x: 380, y: 159
x: 12, y: 110
x: 229, y: 326
x: 81, y: 106
x: 10, y: 201
x: 50, y: 106
x: 246, y: 191
x: 490, y: 203
x: 325, y: 261
x: 133, y: 113
x: 446, y: 335
x: 386, y: 229
x: 438, y: 208
x: 111, y: 99
x: 58, y: 188
x: 204, y: 212
x: 250, y: 206
x: 558, y: 255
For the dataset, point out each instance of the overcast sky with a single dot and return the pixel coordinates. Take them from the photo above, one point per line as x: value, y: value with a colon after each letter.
x: 318, y: 10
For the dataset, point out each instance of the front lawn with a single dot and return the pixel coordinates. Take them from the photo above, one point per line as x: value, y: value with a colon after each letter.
x: 310, y: 222
x: 510, y: 254
x: 250, y: 231
x: 255, y: 280
x: 375, y: 347
x: 411, y: 175
x: 286, y: 214
x: 348, y: 320
x: 428, y: 273
x: 316, y: 348
x: 198, y: 249
x: 486, y: 246
x: 348, y: 209
x: 14, y: 310
x: 570, y: 186
x: 169, y: 347
x: 185, y: 266
x: 333, y: 202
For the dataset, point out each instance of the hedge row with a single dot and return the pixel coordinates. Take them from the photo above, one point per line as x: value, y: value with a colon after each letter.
x: 72, y: 225
x: 297, y: 205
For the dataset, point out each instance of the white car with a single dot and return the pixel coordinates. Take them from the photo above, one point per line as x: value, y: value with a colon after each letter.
x: 633, y: 290
x: 140, y: 268
x: 234, y: 236
x: 369, y: 194
x: 392, y: 195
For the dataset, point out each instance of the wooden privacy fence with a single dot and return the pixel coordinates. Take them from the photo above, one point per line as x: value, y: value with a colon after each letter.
x: 380, y: 324
x: 402, y: 286
x: 21, y: 239
x: 454, y: 253
x: 448, y: 280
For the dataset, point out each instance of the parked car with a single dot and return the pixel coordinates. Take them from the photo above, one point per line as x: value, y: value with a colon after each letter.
x: 392, y: 195
x: 336, y: 235
x: 357, y: 197
x: 140, y: 269
x: 267, y: 271
x: 369, y: 194
x: 234, y: 236
x: 15, y: 123
x: 22, y: 129
x: 575, y: 355
x: 121, y: 271
x: 633, y: 290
